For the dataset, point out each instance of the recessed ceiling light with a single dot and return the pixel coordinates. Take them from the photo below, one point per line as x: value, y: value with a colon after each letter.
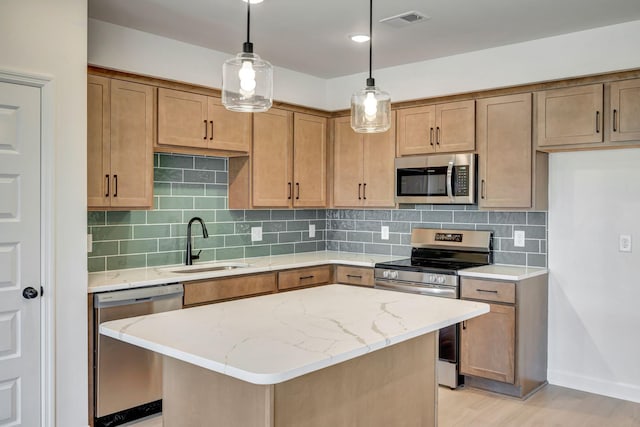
x: 359, y: 38
x: 253, y: 1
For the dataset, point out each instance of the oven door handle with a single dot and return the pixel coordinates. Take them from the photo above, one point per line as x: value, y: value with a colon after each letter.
x: 450, y: 180
x: 441, y: 292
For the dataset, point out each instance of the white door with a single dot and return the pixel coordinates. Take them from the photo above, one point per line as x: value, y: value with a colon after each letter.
x: 20, y: 403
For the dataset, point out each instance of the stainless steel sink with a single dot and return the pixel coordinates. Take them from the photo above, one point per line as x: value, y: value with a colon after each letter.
x: 199, y: 268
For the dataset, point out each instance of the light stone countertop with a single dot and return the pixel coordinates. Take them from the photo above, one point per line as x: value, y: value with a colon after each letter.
x: 140, y: 277
x: 274, y: 338
x: 503, y: 272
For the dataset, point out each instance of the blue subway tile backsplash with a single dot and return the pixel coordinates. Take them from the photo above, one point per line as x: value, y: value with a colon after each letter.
x: 188, y: 186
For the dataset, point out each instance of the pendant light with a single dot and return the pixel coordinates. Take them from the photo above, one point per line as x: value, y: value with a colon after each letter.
x: 247, y: 80
x: 370, y: 107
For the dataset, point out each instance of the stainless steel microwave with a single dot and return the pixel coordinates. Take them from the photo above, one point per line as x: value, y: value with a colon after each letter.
x: 436, y: 179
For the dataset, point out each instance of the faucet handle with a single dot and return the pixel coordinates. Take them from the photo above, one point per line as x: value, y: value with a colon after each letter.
x: 196, y: 256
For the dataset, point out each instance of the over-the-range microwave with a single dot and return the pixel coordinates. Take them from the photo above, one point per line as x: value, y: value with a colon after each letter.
x: 436, y: 179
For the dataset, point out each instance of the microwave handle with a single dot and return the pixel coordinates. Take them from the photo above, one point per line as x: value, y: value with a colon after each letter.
x: 450, y: 180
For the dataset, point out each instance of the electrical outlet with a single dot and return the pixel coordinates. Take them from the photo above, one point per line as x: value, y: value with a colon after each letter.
x: 384, y: 232
x: 518, y: 238
x: 256, y: 234
x: 312, y: 231
x: 624, y: 244
x: 89, y: 243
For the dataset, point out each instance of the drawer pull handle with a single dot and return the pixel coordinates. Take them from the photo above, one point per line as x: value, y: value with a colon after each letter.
x: 487, y: 291
x: 106, y: 177
x: 431, y: 137
x: 115, y: 185
x: 306, y: 277
x: 464, y: 324
x: 437, y: 135
x: 355, y: 276
x: 359, y: 189
x: 290, y: 191
x: 615, y: 114
x: 211, y: 137
x: 206, y: 129
x: 297, y: 191
x: 597, y: 121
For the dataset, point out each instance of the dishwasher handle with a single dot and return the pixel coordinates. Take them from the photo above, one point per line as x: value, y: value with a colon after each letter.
x: 138, y: 295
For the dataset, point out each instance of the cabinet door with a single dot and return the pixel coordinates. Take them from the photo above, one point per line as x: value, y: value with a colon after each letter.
x: 625, y: 110
x: 487, y: 345
x: 303, y: 277
x: 132, y: 122
x: 379, y: 168
x: 309, y: 161
x: 505, y: 149
x: 416, y: 130
x: 98, y: 148
x: 212, y: 290
x: 228, y: 130
x: 455, y: 127
x: 272, y: 158
x: 570, y: 116
x: 347, y: 164
x: 182, y: 119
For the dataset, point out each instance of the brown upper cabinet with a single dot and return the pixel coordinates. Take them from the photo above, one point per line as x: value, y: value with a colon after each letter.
x: 288, y: 164
x: 570, y: 116
x: 191, y: 120
x: 511, y: 173
x: 363, y: 166
x: 441, y: 128
x: 625, y: 110
x: 119, y: 144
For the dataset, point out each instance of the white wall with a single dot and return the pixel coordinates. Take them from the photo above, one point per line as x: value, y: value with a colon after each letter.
x: 595, y: 51
x: 594, y: 307
x: 125, y: 49
x: 50, y: 37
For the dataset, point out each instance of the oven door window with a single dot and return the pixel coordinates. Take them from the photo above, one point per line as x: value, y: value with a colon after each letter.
x: 422, y: 181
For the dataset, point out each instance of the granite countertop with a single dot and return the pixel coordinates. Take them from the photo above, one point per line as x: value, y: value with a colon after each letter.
x: 503, y: 272
x: 140, y: 277
x: 274, y: 338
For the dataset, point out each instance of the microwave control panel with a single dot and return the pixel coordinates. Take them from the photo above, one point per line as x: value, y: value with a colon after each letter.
x: 461, y: 181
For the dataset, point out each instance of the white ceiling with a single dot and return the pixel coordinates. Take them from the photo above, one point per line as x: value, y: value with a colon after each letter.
x: 312, y: 36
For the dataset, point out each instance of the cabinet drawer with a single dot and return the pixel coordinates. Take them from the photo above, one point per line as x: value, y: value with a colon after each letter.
x: 488, y: 290
x: 300, y: 277
x: 354, y: 275
x: 211, y: 290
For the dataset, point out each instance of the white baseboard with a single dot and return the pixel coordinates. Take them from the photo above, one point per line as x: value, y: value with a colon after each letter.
x: 618, y: 390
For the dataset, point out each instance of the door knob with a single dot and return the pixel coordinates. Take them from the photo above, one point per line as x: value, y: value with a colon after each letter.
x: 29, y: 293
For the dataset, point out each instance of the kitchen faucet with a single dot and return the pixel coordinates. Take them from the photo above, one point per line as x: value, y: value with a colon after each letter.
x: 189, y: 256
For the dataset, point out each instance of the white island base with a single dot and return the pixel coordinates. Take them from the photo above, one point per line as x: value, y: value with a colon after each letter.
x: 393, y: 386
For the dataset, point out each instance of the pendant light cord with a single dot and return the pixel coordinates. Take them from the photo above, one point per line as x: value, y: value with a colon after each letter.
x: 247, y: 47
x: 248, y: 21
x: 370, y: 81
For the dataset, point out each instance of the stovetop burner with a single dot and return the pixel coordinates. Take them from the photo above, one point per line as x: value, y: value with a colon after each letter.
x: 444, y: 251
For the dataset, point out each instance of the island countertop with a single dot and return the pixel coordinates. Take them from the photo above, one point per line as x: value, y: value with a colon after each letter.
x: 274, y: 338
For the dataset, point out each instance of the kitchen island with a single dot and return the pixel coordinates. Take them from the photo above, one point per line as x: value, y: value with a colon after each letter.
x: 332, y: 355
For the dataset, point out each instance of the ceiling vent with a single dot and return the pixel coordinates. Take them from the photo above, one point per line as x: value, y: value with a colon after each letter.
x: 405, y: 19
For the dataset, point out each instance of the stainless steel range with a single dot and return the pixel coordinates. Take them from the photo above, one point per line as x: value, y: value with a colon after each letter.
x: 436, y: 257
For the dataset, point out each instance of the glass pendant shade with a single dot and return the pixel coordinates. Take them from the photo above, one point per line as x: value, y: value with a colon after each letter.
x: 370, y: 110
x: 247, y: 83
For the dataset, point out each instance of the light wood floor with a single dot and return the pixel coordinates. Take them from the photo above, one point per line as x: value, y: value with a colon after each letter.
x: 552, y: 406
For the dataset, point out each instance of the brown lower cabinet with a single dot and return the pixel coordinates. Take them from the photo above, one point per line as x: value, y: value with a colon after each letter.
x: 505, y: 350
x: 305, y: 277
x: 360, y: 276
x: 207, y: 291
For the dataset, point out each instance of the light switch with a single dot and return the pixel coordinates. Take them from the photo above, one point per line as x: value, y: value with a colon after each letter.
x: 256, y: 234
x: 89, y: 243
x: 384, y: 232
x: 518, y: 238
x: 624, y: 243
x: 312, y: 231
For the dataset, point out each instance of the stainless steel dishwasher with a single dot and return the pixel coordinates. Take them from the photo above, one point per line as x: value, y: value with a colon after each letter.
x: 128, y: 379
